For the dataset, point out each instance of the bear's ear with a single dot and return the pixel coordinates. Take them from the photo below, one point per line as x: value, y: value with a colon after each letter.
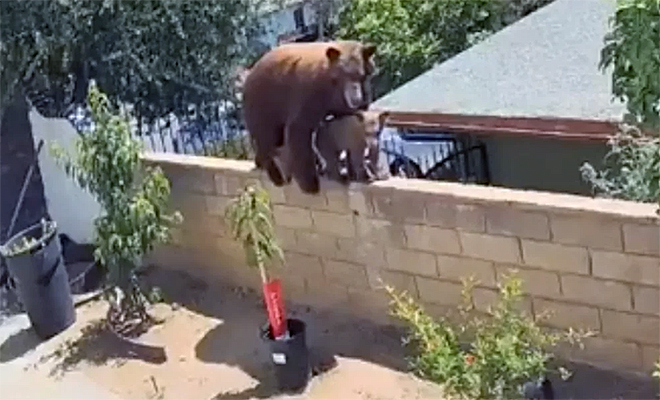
x: 368, y: 50
x: 333, y: 54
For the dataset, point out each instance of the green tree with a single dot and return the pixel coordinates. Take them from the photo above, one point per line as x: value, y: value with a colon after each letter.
x: 158, y: 55
x: 413, y: 35
x: 632, y: 50
x: 134, y: 198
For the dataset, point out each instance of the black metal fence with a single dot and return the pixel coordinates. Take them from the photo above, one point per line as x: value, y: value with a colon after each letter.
x: 217, y: 131
x: 436, y: 156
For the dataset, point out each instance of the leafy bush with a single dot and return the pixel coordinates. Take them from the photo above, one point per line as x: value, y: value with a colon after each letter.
x: 632, y: 167
x: 487, y: 357
x: 632, y: 49
x: 134, y: 201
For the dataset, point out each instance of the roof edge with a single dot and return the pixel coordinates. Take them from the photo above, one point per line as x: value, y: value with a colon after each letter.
x: 487, y: 125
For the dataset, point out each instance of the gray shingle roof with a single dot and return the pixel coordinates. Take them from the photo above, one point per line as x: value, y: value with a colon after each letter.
x: 545, y: 65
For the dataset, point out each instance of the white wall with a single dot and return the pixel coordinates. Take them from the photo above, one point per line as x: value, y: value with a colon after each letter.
x: 72, y: 208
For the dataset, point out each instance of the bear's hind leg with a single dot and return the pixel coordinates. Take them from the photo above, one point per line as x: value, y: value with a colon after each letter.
x: 303, y: 164
x: 267, y: 141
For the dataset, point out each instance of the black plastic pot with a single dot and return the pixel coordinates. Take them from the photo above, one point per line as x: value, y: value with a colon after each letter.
x: 290, y: 357
x: 42, y: 281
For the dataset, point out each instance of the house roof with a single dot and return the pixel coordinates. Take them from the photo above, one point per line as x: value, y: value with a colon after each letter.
x: 543, y: 66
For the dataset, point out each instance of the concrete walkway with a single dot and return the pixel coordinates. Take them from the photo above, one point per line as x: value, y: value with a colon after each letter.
x: 20, y: 350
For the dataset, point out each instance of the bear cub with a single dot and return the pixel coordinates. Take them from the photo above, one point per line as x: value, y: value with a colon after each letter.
x: 347, y: 146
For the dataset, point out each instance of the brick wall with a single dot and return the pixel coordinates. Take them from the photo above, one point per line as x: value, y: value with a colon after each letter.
x: 594, y: 263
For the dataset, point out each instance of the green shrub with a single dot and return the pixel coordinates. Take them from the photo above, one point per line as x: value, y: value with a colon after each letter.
x: 632, y: 167
x: 480, y: 357
x: 134, y: 201
x: 632, y: 49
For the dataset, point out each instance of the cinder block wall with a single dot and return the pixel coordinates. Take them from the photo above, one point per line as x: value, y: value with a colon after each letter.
x: 594, y: 263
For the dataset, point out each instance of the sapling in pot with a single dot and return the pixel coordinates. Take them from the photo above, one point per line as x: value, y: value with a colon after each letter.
x: 134, y: 216
x: 250, y: 218
x: 503, y: 354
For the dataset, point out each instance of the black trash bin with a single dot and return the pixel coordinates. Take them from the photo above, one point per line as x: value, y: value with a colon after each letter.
x: 41, y: 279
x: 290, y: 357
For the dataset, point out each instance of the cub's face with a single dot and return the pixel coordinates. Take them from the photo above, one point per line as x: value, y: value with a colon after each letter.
x: 373, y: 123
x: 351, y: 67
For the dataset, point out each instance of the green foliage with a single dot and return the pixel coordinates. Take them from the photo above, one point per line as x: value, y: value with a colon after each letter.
x: 133, y: 198
x: 480, y: 357
x: 632, y: 49
x: 632, y: 167
x: 159, y: 55
x: 413, y: 35
x: 250, y: 218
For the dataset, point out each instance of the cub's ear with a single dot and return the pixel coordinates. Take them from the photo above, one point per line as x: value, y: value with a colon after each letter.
x: 333, y: 54
x: 368, y: 50
x: 382, y: 118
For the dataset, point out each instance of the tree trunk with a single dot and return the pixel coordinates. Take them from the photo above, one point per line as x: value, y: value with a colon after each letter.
x: 17, y: 153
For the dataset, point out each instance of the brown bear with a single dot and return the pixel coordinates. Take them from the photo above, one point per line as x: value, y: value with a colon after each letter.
x: 348, y: 146
x: 288, y: 93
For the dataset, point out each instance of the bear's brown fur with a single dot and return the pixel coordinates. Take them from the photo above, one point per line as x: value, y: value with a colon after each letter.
x: 349, y: 145
x: 288, y: 93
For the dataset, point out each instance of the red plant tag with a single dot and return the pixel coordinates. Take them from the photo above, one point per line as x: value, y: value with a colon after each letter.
x: 275, y: 307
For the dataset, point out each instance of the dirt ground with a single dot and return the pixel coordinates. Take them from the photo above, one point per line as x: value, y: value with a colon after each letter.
x: 213, y: 351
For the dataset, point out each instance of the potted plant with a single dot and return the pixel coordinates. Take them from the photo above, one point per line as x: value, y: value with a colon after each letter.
x: 34, y: 260
x: 134, y: 217
x: 502, y: 355
x: 250, y: 218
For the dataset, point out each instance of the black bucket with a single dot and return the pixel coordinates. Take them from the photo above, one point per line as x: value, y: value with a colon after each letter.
x: 290, y: 357
x: 42, y: 281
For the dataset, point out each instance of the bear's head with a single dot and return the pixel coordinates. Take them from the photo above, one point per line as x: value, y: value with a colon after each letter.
x: 351, y: 66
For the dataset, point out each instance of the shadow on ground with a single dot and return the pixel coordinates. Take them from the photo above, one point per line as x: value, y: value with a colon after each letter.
x: 236, y: 342
x: 18, y: 344
x: 98, y: 346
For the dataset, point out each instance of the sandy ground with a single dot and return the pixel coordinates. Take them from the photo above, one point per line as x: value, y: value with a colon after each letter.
x: 214, y: 352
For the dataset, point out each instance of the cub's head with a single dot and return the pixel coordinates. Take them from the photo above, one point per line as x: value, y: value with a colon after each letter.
x: 374, y: 122
x: 351, y: 66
